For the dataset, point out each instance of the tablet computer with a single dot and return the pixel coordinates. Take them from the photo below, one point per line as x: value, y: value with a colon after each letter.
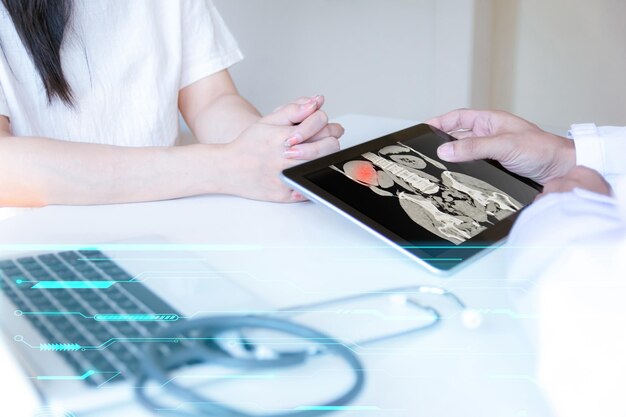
x: 441, y: 214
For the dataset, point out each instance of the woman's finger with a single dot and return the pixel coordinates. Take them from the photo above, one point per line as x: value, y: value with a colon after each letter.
x: 294, y: 113
x: 299, y: 100
x: 296, y: 197
x: 334, y: 130
x: 313, y: 150
x: 318, y: 98
x: 308, y: 128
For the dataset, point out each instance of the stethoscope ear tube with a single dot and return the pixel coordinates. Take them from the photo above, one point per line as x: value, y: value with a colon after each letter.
x: 155, y: 368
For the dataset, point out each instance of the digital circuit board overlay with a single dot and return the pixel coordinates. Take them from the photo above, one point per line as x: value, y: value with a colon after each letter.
x: 105, y: 376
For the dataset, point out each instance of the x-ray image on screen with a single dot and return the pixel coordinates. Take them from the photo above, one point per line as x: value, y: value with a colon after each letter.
x: 452, y: 205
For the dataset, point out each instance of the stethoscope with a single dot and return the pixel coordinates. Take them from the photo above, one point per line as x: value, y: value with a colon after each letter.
x: 226, y: 341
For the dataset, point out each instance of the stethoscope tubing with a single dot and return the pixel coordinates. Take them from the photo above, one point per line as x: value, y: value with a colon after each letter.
x: 156, y: 371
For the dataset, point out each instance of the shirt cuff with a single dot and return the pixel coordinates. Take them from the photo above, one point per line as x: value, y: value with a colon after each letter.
x: 589, y: 152
x: 204, y: 69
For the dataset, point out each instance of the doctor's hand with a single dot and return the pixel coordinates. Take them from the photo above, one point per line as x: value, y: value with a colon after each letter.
x: 520, y: 146
x: 579, y: 177
x: 293, y: 133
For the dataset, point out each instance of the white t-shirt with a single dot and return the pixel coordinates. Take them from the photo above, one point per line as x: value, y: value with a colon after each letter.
x: 125, y: 61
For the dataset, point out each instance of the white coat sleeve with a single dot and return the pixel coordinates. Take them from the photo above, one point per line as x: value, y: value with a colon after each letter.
x: 601, y: 148
x: 570, y: 256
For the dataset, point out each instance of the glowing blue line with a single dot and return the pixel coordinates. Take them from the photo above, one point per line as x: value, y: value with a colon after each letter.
x: 58, y: 285
x: 54, y: 313
x: 60, y: 347
x: 233, y: 376
x: 443, y: 259
x: 128, y: 247
x: 516, y: 377
x: 67, y: 378
x: 277, y: 341
x: 115, y: 375
x: 136, y: 317
x: 270, y: 376
x: 507, y: 312
x: 336, y: 408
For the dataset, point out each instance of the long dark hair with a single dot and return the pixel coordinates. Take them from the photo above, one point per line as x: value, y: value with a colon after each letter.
x: 41, y: 25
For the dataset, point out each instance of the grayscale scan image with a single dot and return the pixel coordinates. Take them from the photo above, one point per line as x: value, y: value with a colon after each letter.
x: 453, y: 206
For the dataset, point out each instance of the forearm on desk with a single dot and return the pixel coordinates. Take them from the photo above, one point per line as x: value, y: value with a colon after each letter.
x: 38, y: 172
x: 214, y: 110
x: 224, y: 119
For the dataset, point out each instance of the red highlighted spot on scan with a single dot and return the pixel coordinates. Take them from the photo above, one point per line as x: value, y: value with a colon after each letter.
x: 362, y: 171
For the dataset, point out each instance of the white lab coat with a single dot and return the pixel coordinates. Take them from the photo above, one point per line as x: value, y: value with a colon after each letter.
x: 570, y: 257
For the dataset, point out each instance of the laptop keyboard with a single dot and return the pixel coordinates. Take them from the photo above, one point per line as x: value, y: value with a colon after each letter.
x: 65, y: 317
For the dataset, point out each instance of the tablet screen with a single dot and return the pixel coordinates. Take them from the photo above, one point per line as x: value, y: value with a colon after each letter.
x: 400, y: 185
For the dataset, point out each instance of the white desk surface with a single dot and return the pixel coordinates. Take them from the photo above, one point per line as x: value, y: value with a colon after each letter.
x: 307, y: 253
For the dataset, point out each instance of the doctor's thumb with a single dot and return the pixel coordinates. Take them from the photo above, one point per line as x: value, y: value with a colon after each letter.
x: 471, y: 149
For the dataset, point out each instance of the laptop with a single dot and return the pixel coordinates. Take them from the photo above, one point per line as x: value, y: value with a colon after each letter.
x: 76, y: 319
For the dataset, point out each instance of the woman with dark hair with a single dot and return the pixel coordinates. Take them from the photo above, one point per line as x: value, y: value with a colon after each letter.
x: 90, y: 93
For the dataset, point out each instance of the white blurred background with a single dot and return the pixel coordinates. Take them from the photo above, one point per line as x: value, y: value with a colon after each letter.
x: 555, y: 62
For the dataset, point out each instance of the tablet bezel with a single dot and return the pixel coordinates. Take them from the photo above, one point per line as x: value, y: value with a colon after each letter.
x: 450, y: 256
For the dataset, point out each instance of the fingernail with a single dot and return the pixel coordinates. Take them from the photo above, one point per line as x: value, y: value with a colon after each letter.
x: 446, y: 151
x: 310, y: 105
x: 293, y: 153
x: 294, y: 140
x: 297, y: 196
x: 317, y: 98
